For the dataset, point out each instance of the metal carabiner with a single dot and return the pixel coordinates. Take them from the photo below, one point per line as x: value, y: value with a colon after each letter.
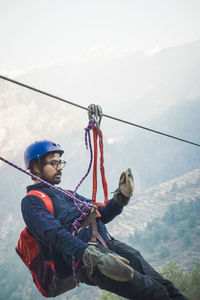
x: 95, y: 111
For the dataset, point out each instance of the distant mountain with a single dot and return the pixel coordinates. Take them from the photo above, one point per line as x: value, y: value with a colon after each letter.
x: 136, y: 86
x: 172, y: 75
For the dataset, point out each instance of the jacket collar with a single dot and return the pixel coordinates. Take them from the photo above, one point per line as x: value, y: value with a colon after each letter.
x: 36, y: 186
x: 42, y: 187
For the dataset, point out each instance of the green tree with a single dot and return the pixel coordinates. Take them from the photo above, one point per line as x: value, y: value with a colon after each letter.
x: 109, y: 296
x: 175, y: 274
x: 186, y: 283
x: 193, y: 292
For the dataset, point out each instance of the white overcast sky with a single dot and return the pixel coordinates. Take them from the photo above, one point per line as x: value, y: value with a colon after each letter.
x: 39, y: 32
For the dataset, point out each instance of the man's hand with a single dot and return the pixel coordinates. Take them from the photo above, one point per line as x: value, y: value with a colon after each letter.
x: 126, y: 187
x: 108, y: 263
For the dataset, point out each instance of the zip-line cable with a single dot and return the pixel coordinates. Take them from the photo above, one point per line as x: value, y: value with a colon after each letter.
x: 41, y: 92
x: 152, y: 130
x: 105, y: 115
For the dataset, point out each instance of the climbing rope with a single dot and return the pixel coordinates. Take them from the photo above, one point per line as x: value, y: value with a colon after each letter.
x: 105, y: 115
x: 41, y: 180
x: 95, y: 116
x: 87, y: 138
x: 86, y: 207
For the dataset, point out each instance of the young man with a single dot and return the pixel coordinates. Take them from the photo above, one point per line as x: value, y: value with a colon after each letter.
x: 100, y: 259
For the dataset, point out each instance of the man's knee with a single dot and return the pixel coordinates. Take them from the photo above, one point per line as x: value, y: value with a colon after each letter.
x: 59, y: 286
x: 124, y: 248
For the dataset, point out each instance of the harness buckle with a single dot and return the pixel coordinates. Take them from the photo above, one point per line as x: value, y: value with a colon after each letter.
x: 91, y: 243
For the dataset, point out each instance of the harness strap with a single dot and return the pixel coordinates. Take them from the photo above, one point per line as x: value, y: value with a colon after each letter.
x: 49, y: 205
x: 95, y: 235
x: 98, y: 133
x: 44, y: 197
x: 91, y: 219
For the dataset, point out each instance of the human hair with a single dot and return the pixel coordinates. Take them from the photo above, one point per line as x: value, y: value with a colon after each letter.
x: 41, y: 162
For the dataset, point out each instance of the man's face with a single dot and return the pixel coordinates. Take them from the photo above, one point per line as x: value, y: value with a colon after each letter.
x: 51, y: 171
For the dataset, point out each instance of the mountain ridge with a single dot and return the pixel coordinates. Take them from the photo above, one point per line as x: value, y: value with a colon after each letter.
x: 150, y: 83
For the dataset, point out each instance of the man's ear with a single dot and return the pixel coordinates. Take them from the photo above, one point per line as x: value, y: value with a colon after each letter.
x: 36, y: 168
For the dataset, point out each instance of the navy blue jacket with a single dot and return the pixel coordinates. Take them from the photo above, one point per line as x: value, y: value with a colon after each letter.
x: 52, y: 233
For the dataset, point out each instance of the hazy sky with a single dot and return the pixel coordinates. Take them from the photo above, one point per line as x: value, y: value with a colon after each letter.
x: 38, y: 32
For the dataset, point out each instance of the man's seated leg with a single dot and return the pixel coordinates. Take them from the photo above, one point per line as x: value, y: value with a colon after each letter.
x: 137, y: 262
x: 139, y: 288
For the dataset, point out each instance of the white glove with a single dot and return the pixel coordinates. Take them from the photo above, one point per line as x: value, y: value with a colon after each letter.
x: 126, y: 183
x: 126, y: 187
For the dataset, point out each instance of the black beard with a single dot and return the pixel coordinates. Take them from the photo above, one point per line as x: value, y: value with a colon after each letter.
x: 52, y: 181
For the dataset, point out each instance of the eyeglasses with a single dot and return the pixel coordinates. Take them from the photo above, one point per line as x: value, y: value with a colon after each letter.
x: 56, y: 163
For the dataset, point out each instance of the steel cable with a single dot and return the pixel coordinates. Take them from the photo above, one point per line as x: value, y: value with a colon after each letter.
x: 105, y: 115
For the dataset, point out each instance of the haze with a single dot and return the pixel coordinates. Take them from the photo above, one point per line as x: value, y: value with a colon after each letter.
x: 40, y: 32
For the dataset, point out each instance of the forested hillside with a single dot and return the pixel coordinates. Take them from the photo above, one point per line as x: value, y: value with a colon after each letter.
x: 176, y: 235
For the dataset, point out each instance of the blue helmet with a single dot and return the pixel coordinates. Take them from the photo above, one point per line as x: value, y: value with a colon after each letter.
x: 38, y: 149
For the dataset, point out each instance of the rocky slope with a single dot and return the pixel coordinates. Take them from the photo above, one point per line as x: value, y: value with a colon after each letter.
x: 153, y: 202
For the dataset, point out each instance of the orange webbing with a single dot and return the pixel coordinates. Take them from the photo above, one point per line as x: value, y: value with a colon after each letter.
x: 98, y: 133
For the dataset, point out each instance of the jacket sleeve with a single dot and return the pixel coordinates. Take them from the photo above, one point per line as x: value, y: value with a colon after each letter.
x: 48, y: 230
x: 110, y: 211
